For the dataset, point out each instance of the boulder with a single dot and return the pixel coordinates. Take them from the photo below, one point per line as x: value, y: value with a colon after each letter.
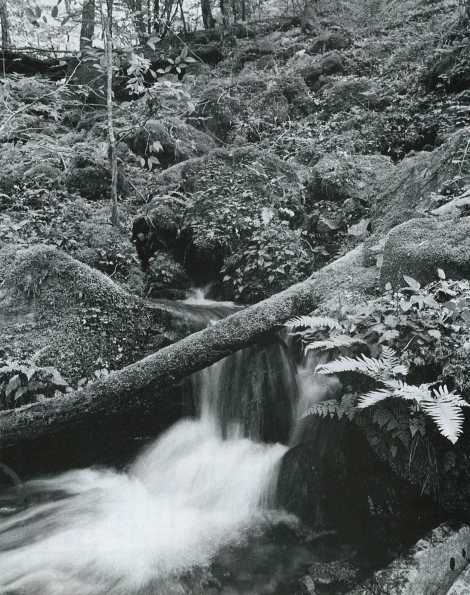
x: 432, y: 565
x: 412, y: 184
x: 347, y: 93
x: 333, y: 458
x: 170, y: 140
x: 227, y: 108
x: 65, y: 314
x: 329, y: 40
x: 419, y: 247
x: 449, y: 69
x: 314, y: 69
x: 220, y: 189
x: 338, y: 177
x: 92, y: 179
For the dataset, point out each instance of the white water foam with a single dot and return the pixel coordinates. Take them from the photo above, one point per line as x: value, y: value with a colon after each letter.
x: 100, y: 531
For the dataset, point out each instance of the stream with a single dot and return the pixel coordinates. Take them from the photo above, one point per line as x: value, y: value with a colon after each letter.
x: 193, y: 514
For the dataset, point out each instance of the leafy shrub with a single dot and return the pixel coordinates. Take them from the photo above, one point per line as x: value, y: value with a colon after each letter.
x: 273, y: 258
x: 23, y: 383
x: 428, y: 326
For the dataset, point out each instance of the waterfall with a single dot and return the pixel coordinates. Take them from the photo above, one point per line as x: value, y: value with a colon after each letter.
x: 204, y: 485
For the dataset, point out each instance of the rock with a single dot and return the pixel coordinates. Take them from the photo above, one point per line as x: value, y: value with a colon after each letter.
x: 413, y: 182
x: 165, y: 277
x: 226, y: 108
x: 79, y: 320
x: 199, y: 232
x: 333, y: 458
x: 338, y: 177
x: 326, y: 226
x: 170, y: 140
x: 431, y: 566
x: 330, y: 40
x: 272, y: 105
x: 419, y: 247
x: 347, y: 93
x: 91, y: 179
x: 449, y: 69
x: 313, y: 70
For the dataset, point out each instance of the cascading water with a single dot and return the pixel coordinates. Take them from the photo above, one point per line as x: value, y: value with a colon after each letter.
x: 204, y: 485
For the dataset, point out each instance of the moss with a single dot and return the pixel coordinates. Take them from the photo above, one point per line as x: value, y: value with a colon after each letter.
x: 79, y: 320
x: 419, y: 247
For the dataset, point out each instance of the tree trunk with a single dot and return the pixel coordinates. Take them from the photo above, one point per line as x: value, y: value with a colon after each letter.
x: 138, y: 18
x: 155, y: 373
x: 156, y: 16
x: 87, y: 30
x: 4, y: 24
x: 207, y: 18
x: 108, y: 47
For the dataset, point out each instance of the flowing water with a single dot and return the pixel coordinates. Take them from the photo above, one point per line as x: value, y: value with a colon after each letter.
x: 202, y: 491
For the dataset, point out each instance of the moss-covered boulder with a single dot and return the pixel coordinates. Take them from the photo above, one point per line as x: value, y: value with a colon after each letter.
x: 337, y: 177
x: 169, y: 141
x: 62, y: 313
x: 252, y: 103
x: 413, y: 183
x: 449, y: 67
x: 419, y: 247
x: 330, y: 40
x: 91, y: 178
x: 234, y: 215
x: 353, y: 92
x: 314, y: 70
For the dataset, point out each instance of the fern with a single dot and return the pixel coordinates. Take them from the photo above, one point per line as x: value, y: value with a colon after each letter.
x: 333, y: 408
x: 312, y: 323
x: 444, y: 407
x: 336, y: 342
x: 328, y: 408
x: 381, y: 369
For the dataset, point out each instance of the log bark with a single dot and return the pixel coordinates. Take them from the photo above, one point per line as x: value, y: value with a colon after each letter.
x: 155, y: 373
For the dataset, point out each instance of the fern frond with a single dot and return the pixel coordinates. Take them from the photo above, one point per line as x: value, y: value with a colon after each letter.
x: 380, y: 369
x: 330, y: 408
x: 334, y: 343
x: 410, y: 392
x: 395, y: 388
x: 445, y: 409
x: 373, y: 397
x: 312, y: 322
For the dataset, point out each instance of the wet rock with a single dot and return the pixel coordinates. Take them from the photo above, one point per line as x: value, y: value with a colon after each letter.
x: 333, y: 577
x: 165, y: 277
x: 421, y: 246
x: 333, y: 458
x: 431, y: 566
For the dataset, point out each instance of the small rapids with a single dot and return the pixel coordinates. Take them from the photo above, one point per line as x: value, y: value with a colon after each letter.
x: 202, y: 486
x: 101, y: 531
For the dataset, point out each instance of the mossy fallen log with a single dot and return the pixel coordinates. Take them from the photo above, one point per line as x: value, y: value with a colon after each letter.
x: 117, y: 392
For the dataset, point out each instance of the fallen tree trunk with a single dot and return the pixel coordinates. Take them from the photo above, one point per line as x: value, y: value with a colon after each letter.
x: 155, y: 373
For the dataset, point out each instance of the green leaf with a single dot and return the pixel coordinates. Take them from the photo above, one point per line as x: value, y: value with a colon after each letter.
x: 13, y: 384
x: 412, y: 283
x: 55, y: 11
